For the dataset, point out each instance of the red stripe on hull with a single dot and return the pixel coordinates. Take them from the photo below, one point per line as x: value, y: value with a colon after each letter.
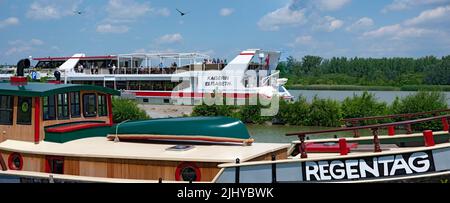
x: 191, y: 95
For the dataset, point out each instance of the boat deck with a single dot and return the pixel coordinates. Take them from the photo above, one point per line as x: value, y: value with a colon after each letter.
x: 100, y: 147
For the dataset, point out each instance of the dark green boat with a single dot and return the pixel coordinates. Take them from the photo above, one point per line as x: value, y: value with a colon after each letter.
x: 192, y: 129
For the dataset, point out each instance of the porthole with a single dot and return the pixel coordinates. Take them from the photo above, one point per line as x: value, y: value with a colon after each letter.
x: 187, y: 172
x: 15, y: 161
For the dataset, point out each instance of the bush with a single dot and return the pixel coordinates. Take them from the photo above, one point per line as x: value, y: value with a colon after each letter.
x: 325, y: 112
x: 126, y: 109
x: 363, y: 106
x: 295, y: 113
x: 252, y: 114
x: 215, y: 110
x: 420, y: 102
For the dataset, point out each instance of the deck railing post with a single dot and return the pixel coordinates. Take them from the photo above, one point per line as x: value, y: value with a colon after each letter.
x: 408, y: 127
x: 428, y: 138
x: 376, y: 140
x: 391, y: 130
x: 445, y: 125
x: 343, y: 146
x: 302, y: 147
x: 238, y: 169
x: 355, y: 132
x: 274, y: 169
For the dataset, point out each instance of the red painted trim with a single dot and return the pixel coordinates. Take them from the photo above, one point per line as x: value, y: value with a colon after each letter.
x: 247, y: 54
x: 10, y: 161
x: 321, y: 148
x: 429, y: 138
x: 191, y: 94
x: 391, y: 130
x: 71, y: 128
x: 182, y: 165
x: 17, y: 79
x: 37, y: 116
x: 110, y: 112
x: 68, y: 57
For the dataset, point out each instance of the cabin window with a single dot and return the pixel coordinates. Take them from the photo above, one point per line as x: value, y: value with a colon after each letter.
x: 49, y: 108
x: 90, y: 105
x: 75, y: 107
x: 24, y: 111
x: 6, y: 109
x: 54, y: 165
x: 102, y: 106
x: 63, y: 106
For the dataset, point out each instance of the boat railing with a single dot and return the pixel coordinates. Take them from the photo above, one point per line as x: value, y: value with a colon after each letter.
x: 374, y: 128
x: 408, y: 116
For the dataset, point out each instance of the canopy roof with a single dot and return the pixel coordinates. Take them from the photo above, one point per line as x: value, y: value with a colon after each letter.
x: 33, y: 89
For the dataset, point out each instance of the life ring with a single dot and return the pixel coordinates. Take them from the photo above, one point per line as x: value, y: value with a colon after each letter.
x: 15, y: 161
x: 187, y: 171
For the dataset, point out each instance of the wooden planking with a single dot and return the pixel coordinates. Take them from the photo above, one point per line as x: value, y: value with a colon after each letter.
x: 116, y: 168
x: 15, y: 131
x: 280, y: 154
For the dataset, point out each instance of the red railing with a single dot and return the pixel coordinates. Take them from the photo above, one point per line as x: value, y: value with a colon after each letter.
x: 408, y: 116
x: 375, y: 127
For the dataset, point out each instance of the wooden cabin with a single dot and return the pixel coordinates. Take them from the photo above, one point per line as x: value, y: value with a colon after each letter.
x: 61, y: 129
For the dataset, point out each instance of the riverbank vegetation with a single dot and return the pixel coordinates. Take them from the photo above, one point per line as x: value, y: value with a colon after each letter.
x: 127, y: 109
x: 328, y: 112
x: 314, y: 72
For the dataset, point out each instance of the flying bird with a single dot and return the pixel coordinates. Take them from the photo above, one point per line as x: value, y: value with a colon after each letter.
x: 182, y: 13
x: 78, y: 12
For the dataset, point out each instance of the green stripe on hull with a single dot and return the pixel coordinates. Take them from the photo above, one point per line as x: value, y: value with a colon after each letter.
x: 78, y: 134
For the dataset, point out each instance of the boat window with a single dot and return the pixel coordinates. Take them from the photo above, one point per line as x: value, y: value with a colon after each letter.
x: 102, y: 107
x: 24, y: 111
x: 6, y: 109
x: 49, y: 108
x: 90, y: 105
x: 63, y: 106
x: 55, y: 165
x: 75, y: 107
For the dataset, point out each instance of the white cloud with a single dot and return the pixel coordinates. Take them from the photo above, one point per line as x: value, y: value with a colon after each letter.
x: 304, y: 40
x: 162, y: 11
x: 329, y: 24
x: 361, y: 24
x: 226, y: 11
x: 109, y: 28
x: 398, y: 5
x: 9, y: 21
x: 126, y: 9
x: 47, y: 9
x: 331, y: 5
x: 120, y: 11
x: 170, y: 38
x: 438, y: 14
x: 23, y: 47
x: 399, y: 32
x: 284, y: 16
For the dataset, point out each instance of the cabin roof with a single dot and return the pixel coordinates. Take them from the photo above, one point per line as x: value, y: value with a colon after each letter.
x: 33, y: 89
x: 100, y: 147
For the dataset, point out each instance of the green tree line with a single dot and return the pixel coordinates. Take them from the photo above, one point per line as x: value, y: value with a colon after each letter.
x: 311, y: 70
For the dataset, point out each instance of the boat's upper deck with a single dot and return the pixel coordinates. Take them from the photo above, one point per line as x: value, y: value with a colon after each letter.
x: 100, y: 147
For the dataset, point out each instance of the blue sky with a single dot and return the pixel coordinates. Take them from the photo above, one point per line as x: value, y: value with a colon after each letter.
x: 327, y: 28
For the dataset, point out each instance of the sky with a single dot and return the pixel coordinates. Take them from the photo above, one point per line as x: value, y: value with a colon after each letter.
x: 223, y: 28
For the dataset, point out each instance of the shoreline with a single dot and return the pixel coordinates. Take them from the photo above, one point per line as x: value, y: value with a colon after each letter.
x: 411, y: 88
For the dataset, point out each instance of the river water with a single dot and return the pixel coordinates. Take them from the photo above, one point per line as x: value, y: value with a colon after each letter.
x: 386, y: 96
